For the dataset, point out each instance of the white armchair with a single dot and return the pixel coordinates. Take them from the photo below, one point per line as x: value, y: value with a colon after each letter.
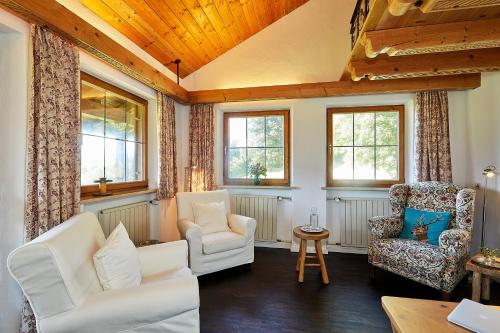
x: 219, y: 250
x: 56, y: 273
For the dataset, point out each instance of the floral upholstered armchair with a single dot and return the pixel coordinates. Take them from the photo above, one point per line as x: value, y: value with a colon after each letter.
x: 442, y: 266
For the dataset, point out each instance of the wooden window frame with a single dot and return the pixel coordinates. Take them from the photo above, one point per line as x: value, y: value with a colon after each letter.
x: 286, y: 141
x: 365, y: 183
x: 87, y: 191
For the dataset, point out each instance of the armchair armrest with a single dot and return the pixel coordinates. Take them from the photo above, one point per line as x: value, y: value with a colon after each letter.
x: 192, y: 233
x: 385, y: 226
x: 127, y: 309
x: 454, y: 243
x: 159, y: 258
x: 189, y: 230
x: 242, y: 225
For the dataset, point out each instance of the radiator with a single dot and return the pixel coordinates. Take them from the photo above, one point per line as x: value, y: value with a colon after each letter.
x: 353, y: 215
x: 135, y: 218
x: 264, y: 209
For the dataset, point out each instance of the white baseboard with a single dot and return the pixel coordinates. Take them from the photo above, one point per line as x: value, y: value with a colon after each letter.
x: 345, y: 249
x: 276, y: 245
x: 311, y: 249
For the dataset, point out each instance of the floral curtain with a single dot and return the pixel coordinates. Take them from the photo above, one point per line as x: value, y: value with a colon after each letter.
x: 201, y: 148
x: 433, y: 158
x: 168, y: 151
x: 53, y: 158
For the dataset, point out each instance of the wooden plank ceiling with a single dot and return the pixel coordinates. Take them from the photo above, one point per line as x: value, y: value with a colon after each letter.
x: 409, y: 38
x: 194, y: 31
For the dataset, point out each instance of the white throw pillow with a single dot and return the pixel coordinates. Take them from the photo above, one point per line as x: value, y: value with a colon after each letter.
x: 117, y: 262
x: 211, y: 216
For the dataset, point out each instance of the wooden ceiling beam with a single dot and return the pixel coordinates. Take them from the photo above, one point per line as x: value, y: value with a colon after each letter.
x: 460, y: 62
x: 54, y: 15
x: 433, y: 38
x: 338, y: 88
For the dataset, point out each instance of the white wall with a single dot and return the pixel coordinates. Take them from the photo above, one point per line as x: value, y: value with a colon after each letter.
x: 475, y: 143
x: 311, y: 44
x: 308, y: 153
x: 14, y: 35
x: 483, y: 148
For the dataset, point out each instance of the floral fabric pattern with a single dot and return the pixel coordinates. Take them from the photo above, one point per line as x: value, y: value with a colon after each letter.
x: 415, y: 260
x: 53, y: 158
x: 168, y: 151
x: 385, y: 226
x: 433, y: 157
x: 441, y: 267
x: 397, y: 196
x: 202, y: 148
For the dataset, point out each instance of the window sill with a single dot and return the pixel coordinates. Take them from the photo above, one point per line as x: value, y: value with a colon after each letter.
x: 91, y: 199
x: 259, y: 187
x: 353, y: 188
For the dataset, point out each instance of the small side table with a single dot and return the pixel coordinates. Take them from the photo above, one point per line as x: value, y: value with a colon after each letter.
x: 481, y: 278
x: 301, y: 260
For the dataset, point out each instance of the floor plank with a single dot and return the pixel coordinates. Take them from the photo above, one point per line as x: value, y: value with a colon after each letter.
x: 266, y: 297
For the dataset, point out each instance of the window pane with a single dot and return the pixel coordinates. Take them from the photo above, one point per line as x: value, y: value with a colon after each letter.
x: 134, y: 162
x: 92, y: 165
x: 92, y: 106
x: 237, y: 132
x: 135, y: 119
x: 256, y: 155
x: 342, y: 163
x: 364, y: 129
x: 342, y: 129
x: 237, y: 163
x: 275, y: 163
x: 275, y: 132
x: 115, y: 160
x: 256, y: 132
x: 387, y: 163
x: 115, y: 116
x: 387, y: 128
x: 364, y: 163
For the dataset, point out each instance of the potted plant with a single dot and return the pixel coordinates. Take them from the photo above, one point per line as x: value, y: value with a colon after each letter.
x: 256, y: 171
x: 489, y: 254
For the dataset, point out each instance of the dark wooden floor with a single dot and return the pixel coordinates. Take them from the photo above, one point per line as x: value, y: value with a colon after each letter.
x: 266, y: 297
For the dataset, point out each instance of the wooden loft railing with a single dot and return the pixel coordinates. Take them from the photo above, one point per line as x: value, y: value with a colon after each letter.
x: 394, y: 39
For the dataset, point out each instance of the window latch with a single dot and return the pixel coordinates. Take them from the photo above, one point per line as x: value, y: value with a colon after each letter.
x: 330, y: 149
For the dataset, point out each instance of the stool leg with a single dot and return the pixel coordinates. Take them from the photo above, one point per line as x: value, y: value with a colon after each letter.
x: 297, y: 267
x: 476, y: 286
x: 485, y: 288
x: 303, y: 245
x: 322, y: 265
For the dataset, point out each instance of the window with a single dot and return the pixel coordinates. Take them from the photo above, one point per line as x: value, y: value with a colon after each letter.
x: 365, y: 146
x: 256, y: 137
x: 114, y: 137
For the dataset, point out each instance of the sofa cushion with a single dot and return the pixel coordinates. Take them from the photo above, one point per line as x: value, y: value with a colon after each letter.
x: 117, y: 262
x: 424, y: 226
x: 210, y: 216
x: 222, y: 241
x: 410, y: 258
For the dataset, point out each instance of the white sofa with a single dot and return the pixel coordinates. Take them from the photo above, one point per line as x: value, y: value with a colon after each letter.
x: 56, y: 273
x: 220, y: 250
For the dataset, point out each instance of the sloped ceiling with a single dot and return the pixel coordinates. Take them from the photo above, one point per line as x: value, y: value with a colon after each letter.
x: 194, y: 31
x: 311, y: 44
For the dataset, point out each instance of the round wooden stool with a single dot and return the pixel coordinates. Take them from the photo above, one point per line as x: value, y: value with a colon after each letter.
x: 301, y: 260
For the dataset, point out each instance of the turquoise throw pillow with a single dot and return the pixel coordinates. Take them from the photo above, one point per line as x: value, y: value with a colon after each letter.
x: 424, y: 226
